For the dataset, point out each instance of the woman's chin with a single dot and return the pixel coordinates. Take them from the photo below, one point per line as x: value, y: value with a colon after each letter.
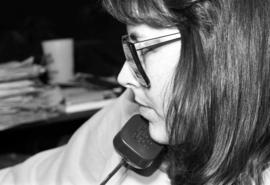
x: 158, y: 133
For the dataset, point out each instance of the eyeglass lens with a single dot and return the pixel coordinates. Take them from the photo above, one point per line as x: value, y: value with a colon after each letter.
x: 133, y: 65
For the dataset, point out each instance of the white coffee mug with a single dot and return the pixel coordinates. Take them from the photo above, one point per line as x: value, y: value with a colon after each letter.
x: 59, y: 57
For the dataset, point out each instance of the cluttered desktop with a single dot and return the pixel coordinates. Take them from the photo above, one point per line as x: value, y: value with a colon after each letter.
x: 35, y: 109
x: 26, y: 99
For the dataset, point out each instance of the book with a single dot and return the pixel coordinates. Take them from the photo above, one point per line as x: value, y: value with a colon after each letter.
x: 78, y: 99
x: 87, y: 106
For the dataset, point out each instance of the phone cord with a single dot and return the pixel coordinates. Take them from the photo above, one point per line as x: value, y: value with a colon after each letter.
x: 121, y: 163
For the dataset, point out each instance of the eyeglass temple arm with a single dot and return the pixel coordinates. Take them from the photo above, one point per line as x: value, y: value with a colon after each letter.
x: 152, y: 42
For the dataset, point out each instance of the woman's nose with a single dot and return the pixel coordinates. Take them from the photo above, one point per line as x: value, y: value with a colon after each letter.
x: 126, y: 77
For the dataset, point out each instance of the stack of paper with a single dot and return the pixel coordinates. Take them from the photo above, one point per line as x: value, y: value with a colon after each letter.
x: 15, y: 70
x: 23, y: 97
x: 17, y: 78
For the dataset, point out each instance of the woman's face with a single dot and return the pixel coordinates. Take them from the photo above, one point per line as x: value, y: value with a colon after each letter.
x: 159, y: 65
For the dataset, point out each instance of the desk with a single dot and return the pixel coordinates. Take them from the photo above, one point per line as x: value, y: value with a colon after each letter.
x: 25, y: 131
x: 27, y: 120
x: 30, y: 117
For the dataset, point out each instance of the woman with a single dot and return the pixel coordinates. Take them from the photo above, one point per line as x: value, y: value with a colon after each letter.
x: 198, y: 71
x: 206, y: 90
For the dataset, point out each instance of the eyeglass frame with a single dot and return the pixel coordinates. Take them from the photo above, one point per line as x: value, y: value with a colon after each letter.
x: 135, y: 46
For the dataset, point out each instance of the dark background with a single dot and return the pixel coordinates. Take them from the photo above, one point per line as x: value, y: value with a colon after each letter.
x: 23, y: 25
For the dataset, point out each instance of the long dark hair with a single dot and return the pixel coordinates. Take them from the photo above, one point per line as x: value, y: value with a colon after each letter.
x: 219, y: 112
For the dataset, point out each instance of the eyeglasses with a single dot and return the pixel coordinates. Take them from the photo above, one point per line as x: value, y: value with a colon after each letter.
x: 134, y: 53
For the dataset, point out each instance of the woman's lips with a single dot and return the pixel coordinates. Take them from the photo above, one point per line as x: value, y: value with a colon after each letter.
x: 142, y: 107
x: 146, y: 111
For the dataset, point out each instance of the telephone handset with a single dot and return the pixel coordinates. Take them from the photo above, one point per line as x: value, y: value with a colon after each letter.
x: 138, y: 150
